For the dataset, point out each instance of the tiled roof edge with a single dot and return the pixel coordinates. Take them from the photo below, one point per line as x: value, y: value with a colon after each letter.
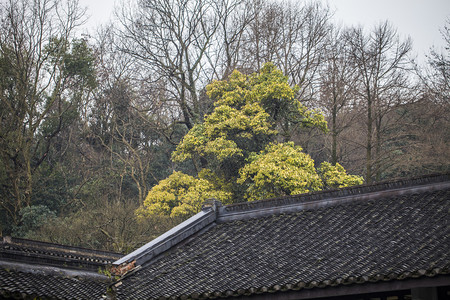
x: 72, y: 250
x: 36, y: 252
x: 295, y: 203
x: 54, y: 271
x: 170, y: 238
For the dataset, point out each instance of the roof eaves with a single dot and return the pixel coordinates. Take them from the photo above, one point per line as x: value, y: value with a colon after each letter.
x: 35, y: 253
x: 403, y: 280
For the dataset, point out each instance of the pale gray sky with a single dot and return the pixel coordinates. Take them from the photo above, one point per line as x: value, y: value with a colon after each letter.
x: 420, y: 19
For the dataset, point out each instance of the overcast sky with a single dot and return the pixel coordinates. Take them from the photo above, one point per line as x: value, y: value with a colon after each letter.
x: 420, y: 19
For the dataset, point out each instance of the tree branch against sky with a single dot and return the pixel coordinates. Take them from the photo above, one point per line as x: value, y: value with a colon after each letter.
x: 382, y: 63
x: 421, y: 20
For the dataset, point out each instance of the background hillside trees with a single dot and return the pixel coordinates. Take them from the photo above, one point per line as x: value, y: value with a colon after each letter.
x: 437, y: 76
x: 176, y: 99
x: 428, y: 119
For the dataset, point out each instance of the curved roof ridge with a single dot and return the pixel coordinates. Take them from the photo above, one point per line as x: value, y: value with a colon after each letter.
x: 37, y: 252
x: 43, y: 247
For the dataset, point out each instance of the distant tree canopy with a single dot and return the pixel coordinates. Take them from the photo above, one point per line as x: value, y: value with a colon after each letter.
x: 238, y: 143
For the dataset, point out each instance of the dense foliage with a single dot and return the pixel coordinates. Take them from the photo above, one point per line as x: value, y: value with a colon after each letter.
x: 180, y: 195
x: 237, y: 142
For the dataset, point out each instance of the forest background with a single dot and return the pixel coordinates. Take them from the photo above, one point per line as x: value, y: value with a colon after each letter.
x: 90, y: 125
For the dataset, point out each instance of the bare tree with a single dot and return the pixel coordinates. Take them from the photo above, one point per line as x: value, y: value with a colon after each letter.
x: 382, y: 63
x: 171, y: 38
x: 337, y: 88
x: 292, y: 35
x: 436, y: 76
x: 428, y: 120
x: 126, y: 117
x: 225, y: 54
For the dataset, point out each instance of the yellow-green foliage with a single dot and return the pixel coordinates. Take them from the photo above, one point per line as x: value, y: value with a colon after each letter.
x: 216, y: 136
x: 180, y: 195
x: 247, y: 107
x: 268, y: 85
x: 337, y: 177
x: 280, y: 169
x: 193, y: 142
x: 235, y: 142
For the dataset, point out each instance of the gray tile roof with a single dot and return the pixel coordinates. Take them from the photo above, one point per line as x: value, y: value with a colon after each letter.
x: 29, y: 285
x: 31, y: 269
x: 371, y: 236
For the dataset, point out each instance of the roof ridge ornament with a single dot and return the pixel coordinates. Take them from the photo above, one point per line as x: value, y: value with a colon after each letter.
x: 212, y: 203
